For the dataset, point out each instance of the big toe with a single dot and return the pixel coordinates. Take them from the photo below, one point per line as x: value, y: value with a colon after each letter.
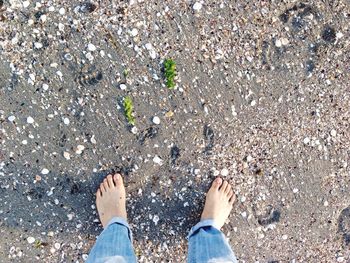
x: 118, y: 180
x: 217, y: 183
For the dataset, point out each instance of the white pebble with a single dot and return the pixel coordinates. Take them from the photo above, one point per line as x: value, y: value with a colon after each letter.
x: 91, y: 47
x: 11, y: 118
x: 157, y: 160
x: 45, y: 86
x: 45, y: 171
x: 253, y: 103
x: 24, y: 142
x: 122, y: 86
x: 30, y: 120
x: 66, y: 155
x: 134, y: 32
x: 224, y: 172
x: 25, y: 4
x: 57, y: 246
x: 62, y: 11
x: 43, y: 18
x: 284, y: 41
x: 285, y: 237
x: 30, y: 240
x: 38, y: 45
x: 295, y: 190
x: 93, y: 140
x: 306, y: 140
x: 197, y: 6
x: 156, y: 120
x: 155, y: 219
x: 66, y: 121
x: 80, y: 149
x: 134, y: 130
x: 278, y: 43
x: 149, y: 46
x: 333, y: 133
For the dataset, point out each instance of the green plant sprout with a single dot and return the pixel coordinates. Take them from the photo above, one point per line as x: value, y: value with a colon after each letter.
x: 128, y: 109
x: 170, y: 73
x: 126, y: 72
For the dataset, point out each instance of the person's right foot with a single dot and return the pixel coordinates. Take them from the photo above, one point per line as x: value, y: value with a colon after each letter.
x: 218, y: 202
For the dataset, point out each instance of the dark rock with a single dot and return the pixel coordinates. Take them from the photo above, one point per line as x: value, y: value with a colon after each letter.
x: 174, y: 154
x: 270, y: 216
x: 344, y: 225
x: 310, y: 65
x: 149, y: 133
x: 328, y: 34
x: 208, y: 134
x: 87, y: 7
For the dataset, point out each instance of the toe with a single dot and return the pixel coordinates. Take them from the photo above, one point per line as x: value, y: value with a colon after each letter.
x: 102, y: 188
x: 98, y: 193
x: 110, y: 180
x: 105, y: 184
x: 228, y: 189
x: 217, y: 183
x: 230, y: 194
x: 232, y: 199
x: 223, y: 186
x: 118, y: 180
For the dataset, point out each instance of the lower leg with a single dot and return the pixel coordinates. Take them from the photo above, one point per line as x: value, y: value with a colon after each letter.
x: 206, y: 242
x: 114, y: 243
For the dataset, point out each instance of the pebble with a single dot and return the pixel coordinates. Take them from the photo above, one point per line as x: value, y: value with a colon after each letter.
x: 93, y: 140
x: 122, y: 86
x: 66, y: 121
x: 30, y: 240
x: 11, y: 118
x: 278, y: 43
x: 333, y: 133
x: 57, y: 246
x: 156, y: 120
x: 45, y: 86
x: 66, y: 155
x: 224, y: 172
x: 91, y: 47
x: 80, y: 149
x: 134, y: 32
x: 38, y: 45
x: 134, y: 130
x: 306, y: 140
x: 30, y: 120
x: 155, y: 219
x: 62, y: 11
x: 25, y: 4
x: 157, y: 160
x: 197, y: 6
x: 285, y: 237
x: 45, y: 171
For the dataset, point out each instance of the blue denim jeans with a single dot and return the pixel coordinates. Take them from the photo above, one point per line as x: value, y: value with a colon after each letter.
x: 206, y: 244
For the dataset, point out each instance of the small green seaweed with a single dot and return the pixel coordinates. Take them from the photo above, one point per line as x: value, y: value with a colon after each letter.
x: 37, y: 244
x: 128, y: 110
x: 170, y: 73
x: 126, y: 72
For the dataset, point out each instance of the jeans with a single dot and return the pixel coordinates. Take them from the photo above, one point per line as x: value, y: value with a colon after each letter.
x: 207, y: 244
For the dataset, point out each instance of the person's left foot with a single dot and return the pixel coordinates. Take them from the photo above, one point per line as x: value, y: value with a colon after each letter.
x: 110, y: 199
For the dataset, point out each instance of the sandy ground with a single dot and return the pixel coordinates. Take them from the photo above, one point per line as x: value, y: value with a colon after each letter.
x: 262, y: 98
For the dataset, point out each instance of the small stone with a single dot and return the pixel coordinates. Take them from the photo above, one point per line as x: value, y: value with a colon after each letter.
x: 38, y: 45
x: 62, y: 11
x: 66, y: 155
x: 66, y: 121
x: 285, y: 237
x: 91, y: 47
x: 340, y: 259
x: 134, y: 130
x: 295, y: 190
x: 156, y: 120
x: 57, y: 246
x: 284, y: 41
x: 306, y: 140
x: 333, y: 133
x: 30, y: 120
x: 155, y: 219
x: 80, y: 149
x: 157, y: 160
x: 11, y: 118
x: 197, y: 6
x: 134, y: 32
x: 122, y: 86
x: 30, y: 240
x: 224, y: 172
x: 45, y: 171
x: 70, y: 216
x: 25, y: 4
x: 253, y: 103
x: 93, y: 140
x: 45, y: 86
x: 169, y: 114
x: 24, y: 142
x: 278, y: 43
x: 149, y: 46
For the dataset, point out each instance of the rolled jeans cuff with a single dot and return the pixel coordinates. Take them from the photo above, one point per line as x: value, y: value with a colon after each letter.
x: 120, y: 221
x: 201, y: 224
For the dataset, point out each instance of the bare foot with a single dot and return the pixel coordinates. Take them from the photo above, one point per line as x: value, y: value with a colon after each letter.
x: 218, y: 202
x: 110, y: 199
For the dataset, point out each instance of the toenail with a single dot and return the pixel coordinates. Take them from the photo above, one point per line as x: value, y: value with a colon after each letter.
x: 117, y: 176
